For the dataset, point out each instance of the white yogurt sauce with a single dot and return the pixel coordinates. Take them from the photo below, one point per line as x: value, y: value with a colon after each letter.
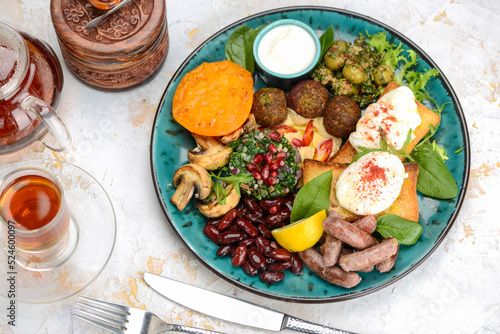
x: 287, y: 49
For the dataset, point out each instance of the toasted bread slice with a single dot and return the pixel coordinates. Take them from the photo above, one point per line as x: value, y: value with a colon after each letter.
x: 428, y: 117
x: 406, y: 205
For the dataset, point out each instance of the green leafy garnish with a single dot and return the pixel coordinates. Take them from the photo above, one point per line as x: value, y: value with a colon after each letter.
x: 434, y: 178
x: 386, y: 147
x: 313, y: 197
x: 239, y: 46
x: 235, y: 180
x: 325, y: 40
x: 405, y: 231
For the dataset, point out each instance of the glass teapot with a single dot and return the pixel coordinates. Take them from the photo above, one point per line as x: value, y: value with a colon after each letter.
x: 30, y: 88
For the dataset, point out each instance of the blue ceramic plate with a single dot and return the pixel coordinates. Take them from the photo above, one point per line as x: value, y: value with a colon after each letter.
x: 170, y: 142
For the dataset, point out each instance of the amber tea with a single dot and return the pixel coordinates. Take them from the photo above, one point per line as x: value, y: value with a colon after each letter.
x: 33, y: 200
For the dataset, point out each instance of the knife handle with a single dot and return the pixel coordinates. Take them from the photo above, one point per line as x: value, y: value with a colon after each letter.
x: 309, y: 327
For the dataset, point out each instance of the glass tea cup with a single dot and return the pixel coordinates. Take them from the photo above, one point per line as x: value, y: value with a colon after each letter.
x: 36, y: 219
x: 30, y: 81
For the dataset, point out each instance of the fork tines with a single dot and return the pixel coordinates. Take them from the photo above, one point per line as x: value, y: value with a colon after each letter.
x: 111, y: 317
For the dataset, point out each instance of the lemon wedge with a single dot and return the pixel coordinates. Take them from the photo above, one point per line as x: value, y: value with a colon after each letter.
x: 302, y: 234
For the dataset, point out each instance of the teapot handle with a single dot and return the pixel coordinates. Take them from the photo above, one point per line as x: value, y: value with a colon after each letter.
x: 60, y: 139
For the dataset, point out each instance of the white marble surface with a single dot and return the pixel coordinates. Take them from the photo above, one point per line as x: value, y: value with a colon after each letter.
x: 456, y: 290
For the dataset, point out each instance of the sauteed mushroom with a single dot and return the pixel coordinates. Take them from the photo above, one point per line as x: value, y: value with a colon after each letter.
x: 213, y: 209
x: 209, y: 154
x: 190, y: 180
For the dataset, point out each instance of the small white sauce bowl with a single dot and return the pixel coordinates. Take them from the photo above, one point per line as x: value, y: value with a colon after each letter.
x: 284, y: 81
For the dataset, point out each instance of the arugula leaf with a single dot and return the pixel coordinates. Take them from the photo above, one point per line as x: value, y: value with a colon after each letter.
x: 239, y: 46
x: 313, y: 197
x: 384, y: 146
x: 325, y: 41
x: 434, y: 178
x: 405, y: 231
x: 236, y: 180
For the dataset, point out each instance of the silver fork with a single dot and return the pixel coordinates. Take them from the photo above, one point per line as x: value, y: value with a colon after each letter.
x: 122, y: 319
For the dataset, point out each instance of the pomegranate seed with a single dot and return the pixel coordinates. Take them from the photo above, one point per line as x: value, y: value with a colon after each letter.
x: 274, y: 173
x: 274, y: 209
x: 268, y: 157
x: 257, y: 175
x: 274, y: 165
x: 275, y: 136
x: 251, y: 167
x: 272, y: 148
x: 282, y: 155
x: 270, y: 181
x: 265, y: 172
x: 259, y: 157
x: 296, y: 142
x: 281, y: 162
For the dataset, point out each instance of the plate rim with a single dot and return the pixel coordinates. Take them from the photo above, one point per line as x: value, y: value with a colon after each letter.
x: 348, y: 296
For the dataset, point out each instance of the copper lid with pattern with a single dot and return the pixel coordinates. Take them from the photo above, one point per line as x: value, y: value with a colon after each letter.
x: 124, y: 50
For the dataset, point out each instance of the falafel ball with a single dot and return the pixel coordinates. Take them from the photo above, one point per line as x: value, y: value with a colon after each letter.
x: 308, y: 98
x: 341, y: 116
x: 269, y: 106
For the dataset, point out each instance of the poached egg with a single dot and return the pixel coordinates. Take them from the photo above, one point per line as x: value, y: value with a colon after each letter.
x: 371, y: 184
x: 395, y: 113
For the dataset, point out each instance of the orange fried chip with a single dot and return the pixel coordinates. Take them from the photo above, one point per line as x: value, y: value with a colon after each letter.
x: 214, y: 99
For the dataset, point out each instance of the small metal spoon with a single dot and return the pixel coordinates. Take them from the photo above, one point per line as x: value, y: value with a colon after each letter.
x: 95, y: 22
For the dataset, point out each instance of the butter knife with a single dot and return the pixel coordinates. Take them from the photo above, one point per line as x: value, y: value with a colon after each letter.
x: 232, y: 309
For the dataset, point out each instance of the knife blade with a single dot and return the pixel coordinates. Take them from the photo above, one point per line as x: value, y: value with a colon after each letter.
x: 232, y: 309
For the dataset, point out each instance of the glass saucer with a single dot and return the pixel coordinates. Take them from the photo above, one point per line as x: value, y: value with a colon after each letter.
x: 93, y: 236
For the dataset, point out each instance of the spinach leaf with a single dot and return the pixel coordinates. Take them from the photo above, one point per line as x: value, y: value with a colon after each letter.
x: 313, y: 197
x: 434, y: 178
x: 239, y: 46
x: 405, y: 231
x: 325, y: 41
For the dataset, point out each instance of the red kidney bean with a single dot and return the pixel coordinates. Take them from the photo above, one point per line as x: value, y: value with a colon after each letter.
x: 247, y: 227
x: 212, y: 233
x: 263, y: 245
x: 274, y: 245
x: 239, y: 256
x: 269, y: 260
x: 231, y: 237
x: 280, y: 266
x: 256, y: 257
x: 280, y: 217
x: 267, y: 203
x: 264, y: 231
x: 271, y: 276
x: 233, y: 227
x: 253, y: 206
x: 227, y: 219
x: 297, y: 266
x: 249, y: 268
x: 213, y: 221
x: 247, y: 242
x: 224, y: 250
x: 243, y: 212
x: 288, y: 203
x: 280, y: 254
x: 254, y: 218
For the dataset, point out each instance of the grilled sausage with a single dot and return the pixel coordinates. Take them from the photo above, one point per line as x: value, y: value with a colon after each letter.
x: 370, y: 256
x: 331, y: 251
x: 348, y: 233
x: 387, y: 264
x: 334, y: 275
x: 367, y: 224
